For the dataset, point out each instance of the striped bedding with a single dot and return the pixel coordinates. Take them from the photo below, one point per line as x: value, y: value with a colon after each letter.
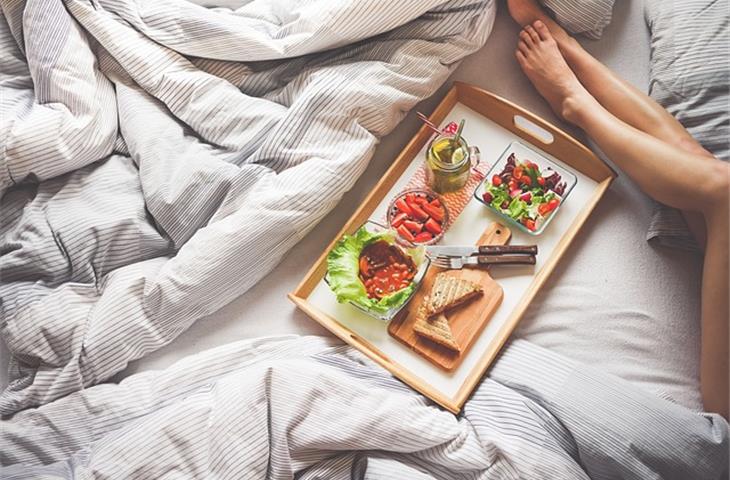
x: 307, y: 408
x: 158, y: 158
x: 690, y: 77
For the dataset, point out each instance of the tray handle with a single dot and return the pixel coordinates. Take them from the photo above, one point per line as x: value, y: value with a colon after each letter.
x: 532, y: 129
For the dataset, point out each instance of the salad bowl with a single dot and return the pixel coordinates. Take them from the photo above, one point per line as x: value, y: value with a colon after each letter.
x: 343, y: 271
x: 525, y: 188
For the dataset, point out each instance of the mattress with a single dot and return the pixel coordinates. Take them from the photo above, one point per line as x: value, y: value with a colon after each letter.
x: 614, y: 302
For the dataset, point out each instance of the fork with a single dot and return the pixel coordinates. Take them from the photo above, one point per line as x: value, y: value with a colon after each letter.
x: 459, y: 262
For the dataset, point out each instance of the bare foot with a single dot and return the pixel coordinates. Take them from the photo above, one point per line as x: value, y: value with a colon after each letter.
x: 526, y: 12
x: 538, y: 55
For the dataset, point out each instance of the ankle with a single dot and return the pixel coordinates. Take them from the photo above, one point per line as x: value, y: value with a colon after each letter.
x: 573, y: 108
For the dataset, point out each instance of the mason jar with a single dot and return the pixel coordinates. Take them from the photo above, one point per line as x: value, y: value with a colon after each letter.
x: 449, y: 163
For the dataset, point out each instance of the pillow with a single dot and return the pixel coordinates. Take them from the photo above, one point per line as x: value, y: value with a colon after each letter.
x: 690, y: 77
x: 587, y: 17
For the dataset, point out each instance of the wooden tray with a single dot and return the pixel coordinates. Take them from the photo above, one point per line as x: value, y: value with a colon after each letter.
x: 466, y: 322
x: 492, y: 124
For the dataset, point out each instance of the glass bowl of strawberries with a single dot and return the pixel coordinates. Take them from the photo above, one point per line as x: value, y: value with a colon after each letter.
x: 418, y: 216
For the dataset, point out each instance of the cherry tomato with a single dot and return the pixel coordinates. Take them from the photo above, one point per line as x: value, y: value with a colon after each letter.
x: 529, y: 223
x: 541, y: 181
x: 496, y: 181
x: 526, y: 179
x: 517, y: 172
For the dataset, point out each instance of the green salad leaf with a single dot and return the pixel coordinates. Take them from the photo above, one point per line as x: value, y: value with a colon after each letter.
x: 343, y: 271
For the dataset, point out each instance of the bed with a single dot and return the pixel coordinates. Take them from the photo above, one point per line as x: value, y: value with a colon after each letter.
x: 643, y: 319
x: 653, y: 326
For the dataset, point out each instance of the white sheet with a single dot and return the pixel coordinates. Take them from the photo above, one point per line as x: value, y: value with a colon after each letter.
x: 643, y: 302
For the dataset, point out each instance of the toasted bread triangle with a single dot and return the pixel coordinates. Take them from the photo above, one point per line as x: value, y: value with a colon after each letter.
x: 449, y: 291
x: 435, y: 328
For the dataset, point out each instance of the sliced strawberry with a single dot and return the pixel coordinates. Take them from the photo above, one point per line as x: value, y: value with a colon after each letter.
x: 435, y: 212
x: 405, y: 233
x: 423, y: 237
x: 433, y: 226
x: 398, y: 219
x: 418, y: 213
x: 401, y: 205
x: 414, y: 227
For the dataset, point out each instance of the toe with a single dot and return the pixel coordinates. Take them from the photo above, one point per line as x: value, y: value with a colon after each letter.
x: 541, y: 29
x: 532, y: 33
x: 526, y: 38
x: 523, y: 47
x: 521, y: 59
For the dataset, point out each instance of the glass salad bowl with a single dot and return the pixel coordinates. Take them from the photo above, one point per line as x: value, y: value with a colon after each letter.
x: 525, y: 188
x: 381, y: 281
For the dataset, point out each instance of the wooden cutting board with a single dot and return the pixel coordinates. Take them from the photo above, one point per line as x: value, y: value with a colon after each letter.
x: 466, y: 321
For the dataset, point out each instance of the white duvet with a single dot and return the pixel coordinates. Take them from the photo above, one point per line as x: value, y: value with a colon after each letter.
x: 158, y: 158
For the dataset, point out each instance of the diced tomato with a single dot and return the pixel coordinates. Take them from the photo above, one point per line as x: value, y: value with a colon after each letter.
x: 554, y: 202
x: 496, y: 181
x: 529, y: 223
x: 418, y: 213
x: 525, y: 179
x: 423, y: 237
x: 543, y: 209
x: 435, y: 212
x: 405, y: 233
x: 414, y: 227
x: 398, y: 219
x: 401, y: 205
x: 433, y: 226
x: 517, y: 172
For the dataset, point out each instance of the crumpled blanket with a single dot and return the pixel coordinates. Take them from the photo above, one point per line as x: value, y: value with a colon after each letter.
x: 308, y: 408
x: 157, y: 158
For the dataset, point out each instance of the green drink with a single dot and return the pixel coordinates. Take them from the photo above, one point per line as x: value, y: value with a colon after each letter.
x: 448, y: 163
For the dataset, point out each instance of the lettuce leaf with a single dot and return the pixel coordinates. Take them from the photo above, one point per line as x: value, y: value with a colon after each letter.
x: 343, y: 269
